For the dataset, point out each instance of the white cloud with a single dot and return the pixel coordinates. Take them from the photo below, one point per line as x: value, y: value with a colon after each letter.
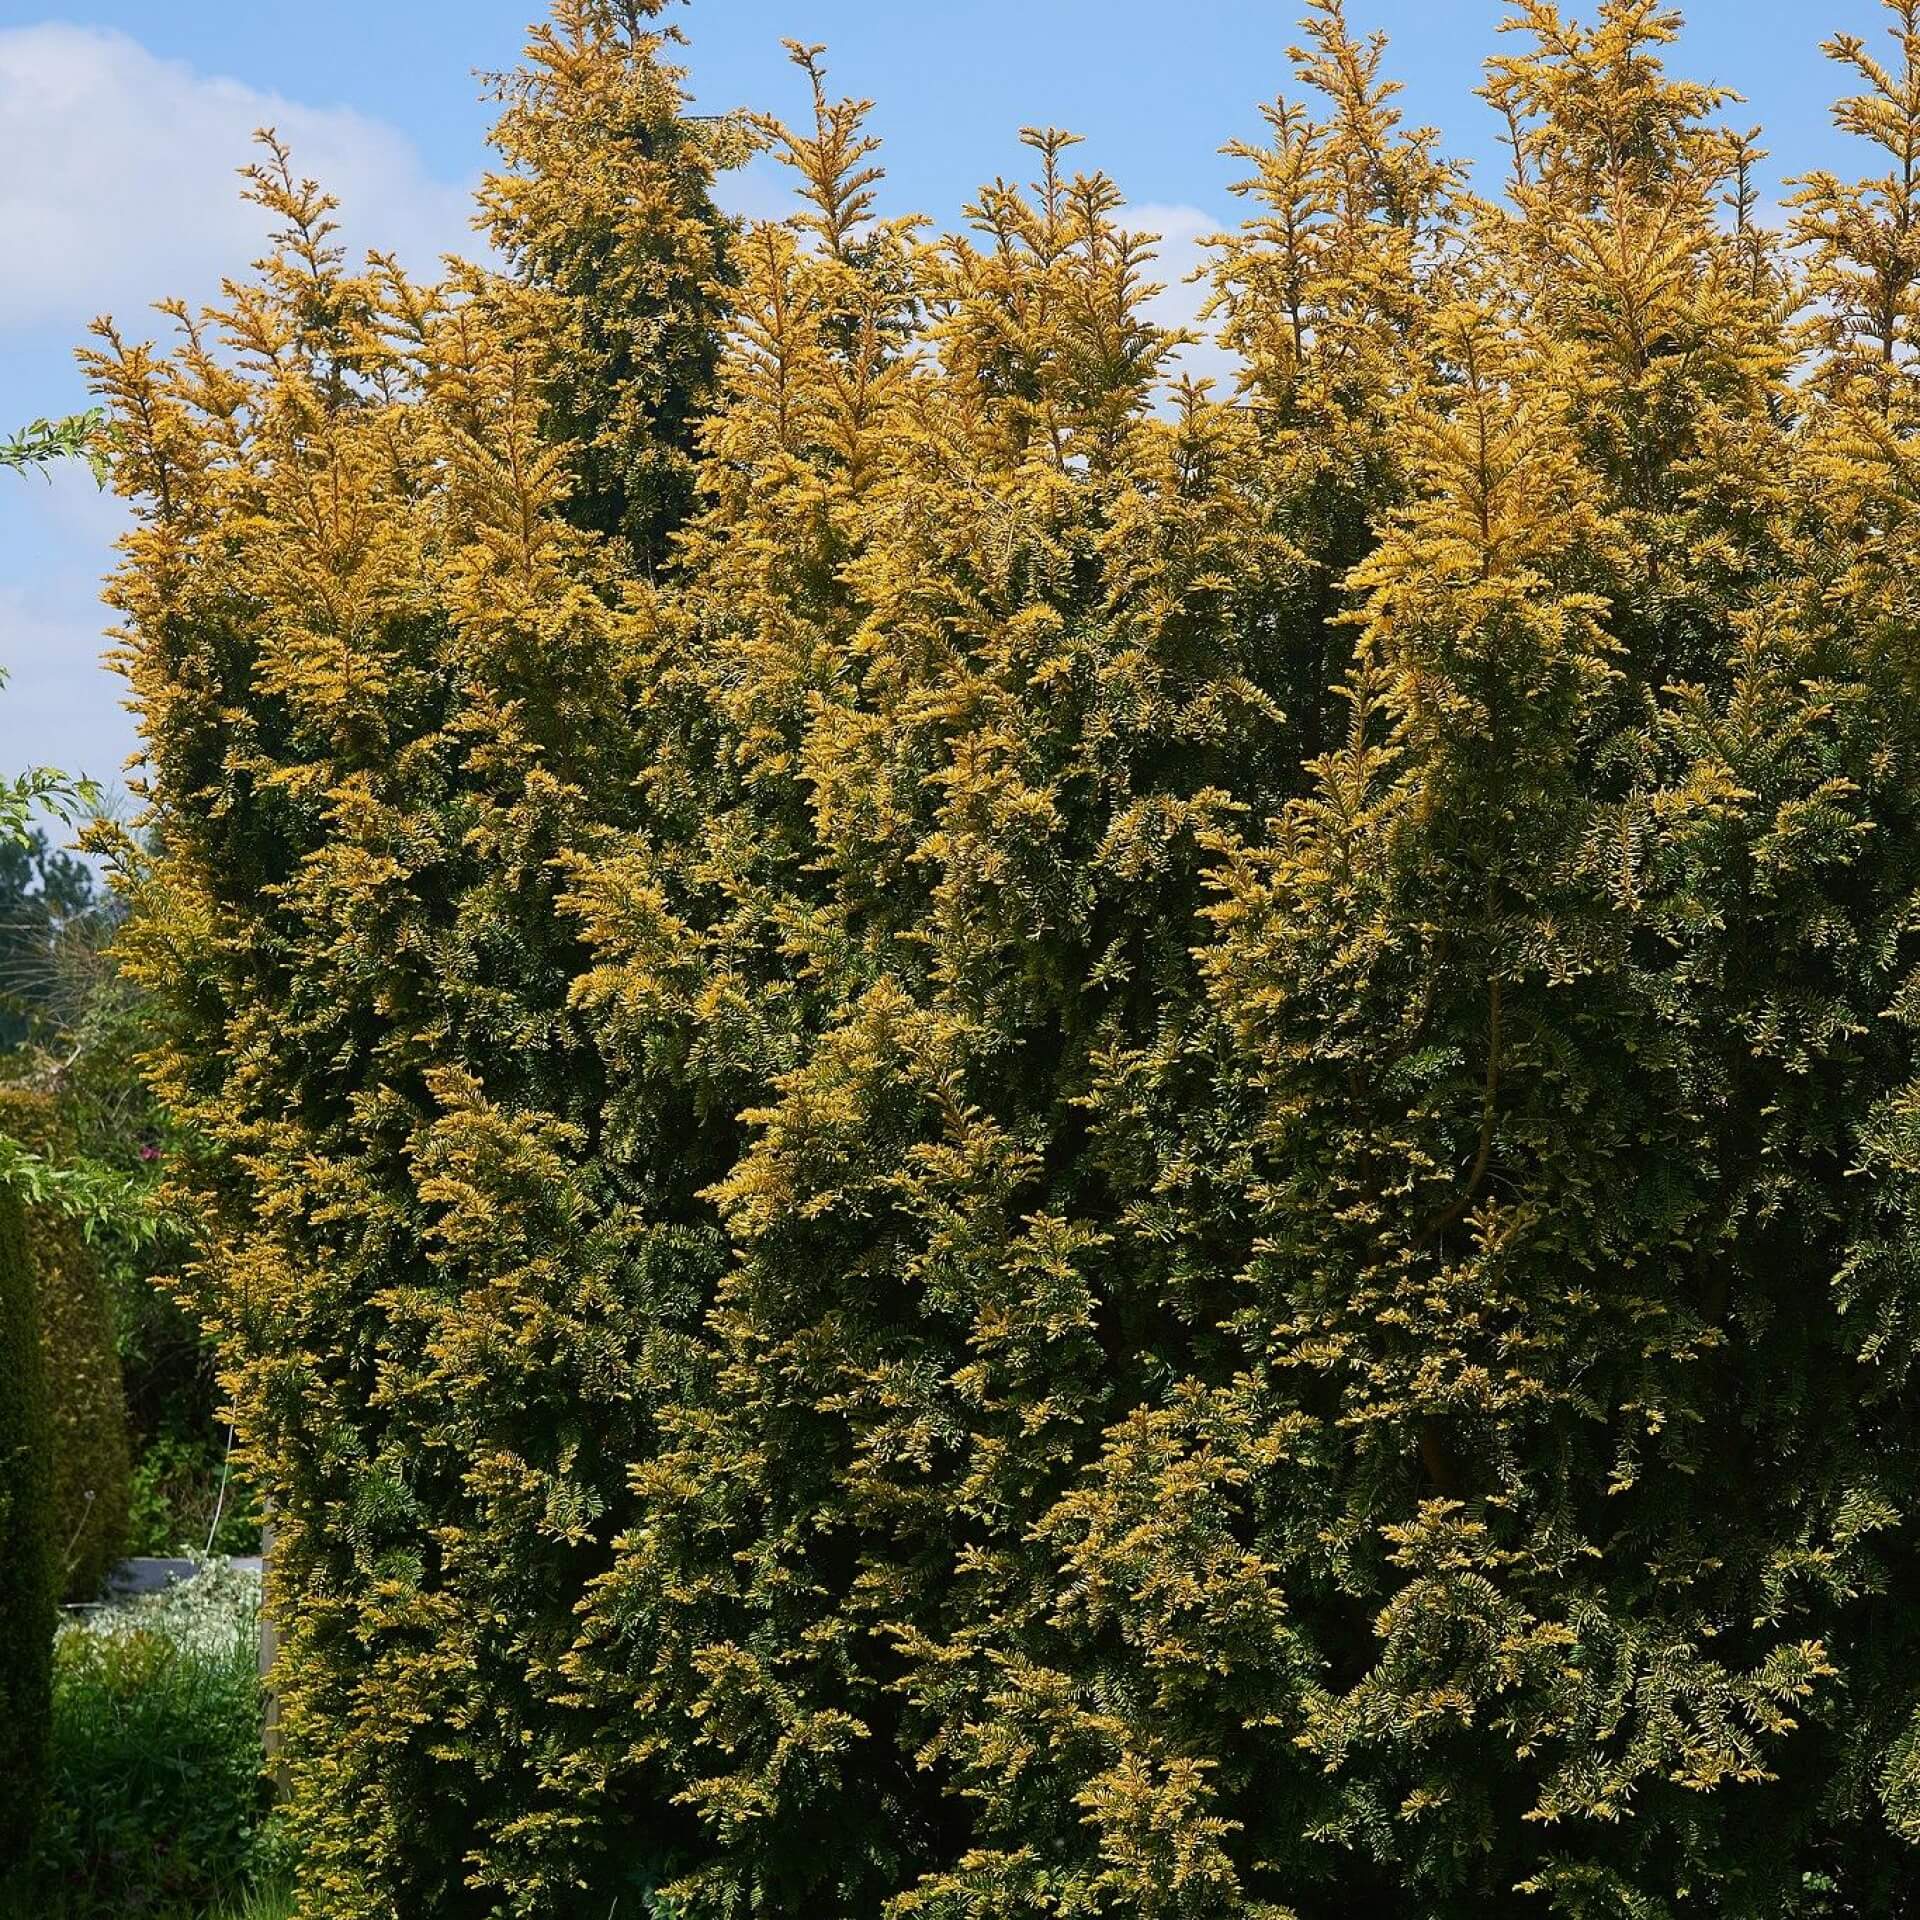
x: 763, y: 189
x: 118, y: 187
x: 1178, y: 255
x: 61, y: 707
x: 117, y: 177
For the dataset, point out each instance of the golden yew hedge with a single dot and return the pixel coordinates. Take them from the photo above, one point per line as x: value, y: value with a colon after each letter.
x: 979, y: 1135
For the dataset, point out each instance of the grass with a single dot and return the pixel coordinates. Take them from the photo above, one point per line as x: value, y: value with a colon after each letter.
x: 266, y: 1903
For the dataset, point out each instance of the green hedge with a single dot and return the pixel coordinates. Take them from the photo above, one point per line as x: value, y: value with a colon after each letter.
x: 27, y: 1565
x: 92, y: 1460
x: 92, y: 1464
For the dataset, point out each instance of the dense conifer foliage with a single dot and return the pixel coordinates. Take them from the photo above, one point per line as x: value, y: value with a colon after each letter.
x: 980, y: 1135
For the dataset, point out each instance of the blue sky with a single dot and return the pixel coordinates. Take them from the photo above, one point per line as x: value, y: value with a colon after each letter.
x: 103, y: 100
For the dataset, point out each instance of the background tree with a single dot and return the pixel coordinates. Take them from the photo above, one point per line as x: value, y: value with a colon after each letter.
x: 85, y: 1400
x: 47, y: 901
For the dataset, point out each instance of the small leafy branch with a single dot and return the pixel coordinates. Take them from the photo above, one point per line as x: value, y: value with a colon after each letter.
x: 101, y: 1199
x: 38, y: 445
x: 43, y: 790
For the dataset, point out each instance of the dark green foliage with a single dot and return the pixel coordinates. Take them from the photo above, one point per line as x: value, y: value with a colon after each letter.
x: 127, y: 1366
x: 177, y: 1500
x: 27, y: 1549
